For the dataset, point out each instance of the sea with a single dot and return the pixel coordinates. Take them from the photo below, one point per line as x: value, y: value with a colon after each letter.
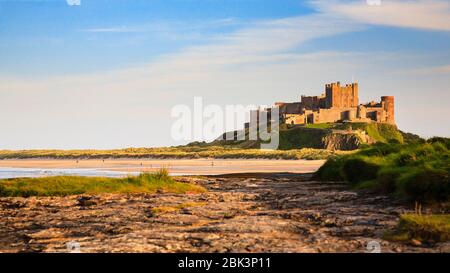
x: 7, y: 172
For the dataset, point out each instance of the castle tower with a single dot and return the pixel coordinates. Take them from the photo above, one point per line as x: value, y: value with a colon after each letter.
x: 328, y: 96
x: 338, y: 96
x: 355, y: 95
x: 388, y: 105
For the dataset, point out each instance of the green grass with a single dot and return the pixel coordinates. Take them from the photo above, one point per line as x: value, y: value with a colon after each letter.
x: 411, y: 138
x: 331, y: 170
x: 423, y: 228
x: 416, y: 171
x: 381, y: 132
x: 290, y: 137
x: 300, y: 137
x: 74, y: 185
x: 312, y: 135
x: 321, y: 126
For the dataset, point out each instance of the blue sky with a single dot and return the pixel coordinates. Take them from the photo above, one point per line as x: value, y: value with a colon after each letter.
x: 105, y: 74
x: 53, y: 37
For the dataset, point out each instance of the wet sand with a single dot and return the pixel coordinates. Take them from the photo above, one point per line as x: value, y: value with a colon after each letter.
x: 182, y: 166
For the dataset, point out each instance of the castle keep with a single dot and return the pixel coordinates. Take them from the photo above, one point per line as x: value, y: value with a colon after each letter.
x: 339, y: 103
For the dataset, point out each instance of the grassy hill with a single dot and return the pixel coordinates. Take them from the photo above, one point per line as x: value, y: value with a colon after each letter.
x: 381, y: 132
x: 346, y: 136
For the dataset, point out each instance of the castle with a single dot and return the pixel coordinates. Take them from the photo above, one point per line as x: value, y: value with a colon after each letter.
x: 339, y: 103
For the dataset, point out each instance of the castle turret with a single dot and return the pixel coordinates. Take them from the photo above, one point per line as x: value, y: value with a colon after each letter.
x: 388, y: 105
x: 355, y: 101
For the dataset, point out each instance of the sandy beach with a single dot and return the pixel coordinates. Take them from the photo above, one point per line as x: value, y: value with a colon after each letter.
x: 182, y: 166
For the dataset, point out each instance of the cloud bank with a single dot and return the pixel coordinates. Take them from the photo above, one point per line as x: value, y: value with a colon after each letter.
x: 420, y: 14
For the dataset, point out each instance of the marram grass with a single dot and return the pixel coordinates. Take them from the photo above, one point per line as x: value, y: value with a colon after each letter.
x: 73, y: 185
x: 424, y: 228
x: 184, y: 152
x: 416, y: 171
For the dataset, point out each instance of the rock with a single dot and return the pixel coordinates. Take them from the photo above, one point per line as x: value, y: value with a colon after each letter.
x: 86, y: 201
x: 186, y: 211
x: 46, y: 234
x: 15, y: 205
x: 315, y: 217
x: 340, y: 141
x: 229, y: 215
x: 149, y: 213
x: 416, y: 242
x: 329, y: 223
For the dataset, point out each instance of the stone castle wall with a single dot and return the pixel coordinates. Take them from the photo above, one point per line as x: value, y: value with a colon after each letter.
x: 339, y: 103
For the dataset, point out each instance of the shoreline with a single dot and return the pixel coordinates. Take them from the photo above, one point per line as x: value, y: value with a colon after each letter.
x: 175, y: 166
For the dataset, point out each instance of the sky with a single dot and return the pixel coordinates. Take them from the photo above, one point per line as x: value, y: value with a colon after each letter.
x: 107, y: 73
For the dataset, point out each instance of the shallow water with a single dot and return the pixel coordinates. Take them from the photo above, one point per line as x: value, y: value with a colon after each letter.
x: 6, y: 172
x: 123, y: 167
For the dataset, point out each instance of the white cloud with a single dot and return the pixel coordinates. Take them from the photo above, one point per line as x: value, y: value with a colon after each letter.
x: 433, y: 70
x: 421, y: 14
x: 169, y: 26
x: 121, y: 29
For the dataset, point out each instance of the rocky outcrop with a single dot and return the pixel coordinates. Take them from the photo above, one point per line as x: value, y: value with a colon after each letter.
x: 345, y: 141
x: 298, y: 137
x: 239, y: 213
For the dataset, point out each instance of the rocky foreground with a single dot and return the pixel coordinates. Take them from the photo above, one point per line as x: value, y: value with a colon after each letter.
x: 239, y: 213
